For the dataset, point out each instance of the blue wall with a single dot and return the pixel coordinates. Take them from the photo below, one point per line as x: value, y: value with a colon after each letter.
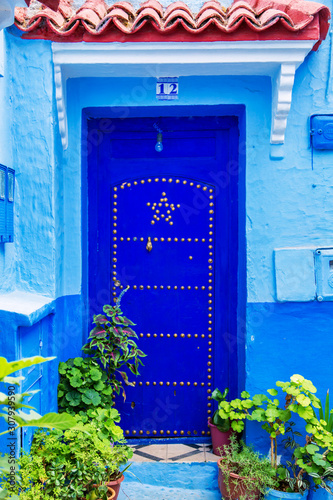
x: 288, y: 202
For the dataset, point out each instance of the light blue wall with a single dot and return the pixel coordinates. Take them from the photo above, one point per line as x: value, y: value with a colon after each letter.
x: 289, y: 202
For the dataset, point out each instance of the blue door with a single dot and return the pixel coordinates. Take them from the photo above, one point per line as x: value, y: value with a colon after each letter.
x: 165, y: 224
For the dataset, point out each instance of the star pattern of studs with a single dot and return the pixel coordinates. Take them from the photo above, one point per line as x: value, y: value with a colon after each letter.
x: 162, y: 210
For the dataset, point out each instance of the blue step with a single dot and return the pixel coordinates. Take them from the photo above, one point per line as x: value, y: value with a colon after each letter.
x: 170, y: 481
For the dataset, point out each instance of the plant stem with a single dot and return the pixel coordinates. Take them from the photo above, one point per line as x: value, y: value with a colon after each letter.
x: 272, y: 451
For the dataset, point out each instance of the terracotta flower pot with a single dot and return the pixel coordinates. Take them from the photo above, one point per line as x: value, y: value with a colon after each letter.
x: 115, y: 485
x: 111, y: 494
x: 234, y: 487
x: 219, y: 439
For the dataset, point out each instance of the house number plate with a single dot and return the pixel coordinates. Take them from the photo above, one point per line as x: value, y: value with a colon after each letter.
x: 167, y: 88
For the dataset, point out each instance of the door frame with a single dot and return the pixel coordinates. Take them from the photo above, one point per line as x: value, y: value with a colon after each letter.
x: 236, y: 341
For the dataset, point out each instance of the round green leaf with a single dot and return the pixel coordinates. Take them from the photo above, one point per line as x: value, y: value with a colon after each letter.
x: 91, y: 397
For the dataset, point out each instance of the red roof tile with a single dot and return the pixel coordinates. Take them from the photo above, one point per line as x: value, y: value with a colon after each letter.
x: 243, y: 20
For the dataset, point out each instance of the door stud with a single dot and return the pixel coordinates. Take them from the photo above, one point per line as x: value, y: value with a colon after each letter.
x: 149, y: 245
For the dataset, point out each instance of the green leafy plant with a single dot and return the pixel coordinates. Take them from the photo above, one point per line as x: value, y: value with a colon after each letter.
x: 325, y: 413
x: 316, y: 456
x: 69, y: 465
x: 83, y: 385
x: 223, y: 424
x: 236, y: 411
x: 13, y: 408
x: 105, y: 421
x: 255, y: 472
x: 112, y: 343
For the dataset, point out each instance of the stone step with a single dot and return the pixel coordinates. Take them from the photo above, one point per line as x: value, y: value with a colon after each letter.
x: 166, y: 481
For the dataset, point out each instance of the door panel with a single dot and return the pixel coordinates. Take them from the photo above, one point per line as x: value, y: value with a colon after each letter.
x: 175, y: 200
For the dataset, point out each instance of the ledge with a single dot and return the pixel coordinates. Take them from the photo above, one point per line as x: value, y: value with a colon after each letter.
x: 277, y: 59
x: 27, y: 308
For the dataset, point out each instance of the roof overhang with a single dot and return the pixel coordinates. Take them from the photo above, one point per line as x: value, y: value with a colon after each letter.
x: 275, y: 59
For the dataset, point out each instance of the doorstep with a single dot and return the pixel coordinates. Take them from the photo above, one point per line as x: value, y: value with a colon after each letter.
x: 178, y: 452
x: 156, y: 480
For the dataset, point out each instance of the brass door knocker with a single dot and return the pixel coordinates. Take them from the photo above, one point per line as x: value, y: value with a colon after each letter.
x: 149, y: 245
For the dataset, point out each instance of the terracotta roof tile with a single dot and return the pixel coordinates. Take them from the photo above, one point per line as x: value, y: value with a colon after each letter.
x: 243, y: 20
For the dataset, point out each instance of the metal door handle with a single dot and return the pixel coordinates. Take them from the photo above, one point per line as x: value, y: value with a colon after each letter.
x: 149, y: 245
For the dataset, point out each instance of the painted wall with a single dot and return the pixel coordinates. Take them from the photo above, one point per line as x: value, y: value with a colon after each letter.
x: 289, y: 202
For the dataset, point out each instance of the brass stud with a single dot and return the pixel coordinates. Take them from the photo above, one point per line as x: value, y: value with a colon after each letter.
x: 174, y: 383
x: 134, y: 287
x: 175, y: 335
x: 156, y: 180
x: 175, y: 287
x: 115, y: 189
x: 196, y: 288
x: 202, y: 288
x: 140, y: 383
x: 148, y: 287
x: 191, y: 184
x: 162, y: 239
x: 182, y: 432
x: 209, y: 343
x: 148, y: 335
x: 161, y: 287
x: 163, y: 180
x: 142, y: 181
x: 168, y: 432
x: 168, y: 287
x: 167, y: 383
x: 178, y: 206
x: 169, y: 239
x: 114, y: 217
x: 209, y: 377
x: 210, y: 308
x: 152, y: 222
x: 147, y: 383
x: 122, y: 186
x: 175, y: 432
x: 195, y: 383
x: 141, y: 287
x: 209, y: 384
x: 189, y: 288
x: 171, y: 223
x: 155, y: 287
x: 209, y: 363
x: 155, y: 334
x: 161, y: 383
x: 196, y: 335
x: 181, y: 383
x: 154, y: 383
x: 182, y: 287
x: 203, y: 240
x: 140, y: 432
x: 168, y: 335
x: 141, y: 239
x: 189, y: 335
x: 177, y: 181
x: 202, y: 384
x: 209, y: 404
x: 188, y: 383
x: 155, y: 239
x: 209, y: 391
x: 134, y: 432
x: 161, y: 432
x: 115, y: 210
x: 161, y: 335
x: 202, y: 336
x: 147, y: 432
x: 141, y: 334
x: 182, y: 239
x: 126, y: 432
x: 184, y: 182
x: 209, y: 412
x: 190, y: 257
x: 154, y: 432
x: 148, y: 180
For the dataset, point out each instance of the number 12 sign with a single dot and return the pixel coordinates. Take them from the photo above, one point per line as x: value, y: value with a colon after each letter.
x: 167, y: 88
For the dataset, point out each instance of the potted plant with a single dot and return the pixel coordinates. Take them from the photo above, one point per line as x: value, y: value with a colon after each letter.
x: 312, y: 459
x: 73, y: 464
x: 111, y: 343
x: 243, y: 473
x: 220, y: 428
